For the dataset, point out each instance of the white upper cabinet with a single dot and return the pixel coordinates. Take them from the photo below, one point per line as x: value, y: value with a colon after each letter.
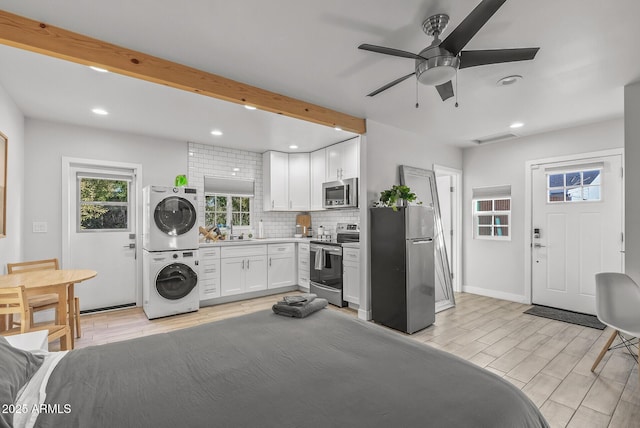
x: 299, y: 181
x: 275, y: 169
x: 317, y: 172
x: 343, y: 160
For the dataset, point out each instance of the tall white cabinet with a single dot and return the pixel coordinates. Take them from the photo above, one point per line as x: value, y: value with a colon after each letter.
x: 286, y: 181
x: 299, y: 181
x: 343, y: 160
x: 317, y: 175
x: 275, y: 168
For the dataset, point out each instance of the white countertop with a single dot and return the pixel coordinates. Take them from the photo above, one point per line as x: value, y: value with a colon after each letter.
x: 253, y: 241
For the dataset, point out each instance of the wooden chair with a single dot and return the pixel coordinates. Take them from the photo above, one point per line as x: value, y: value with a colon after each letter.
x: 46, y: 301
x: 13, y: 300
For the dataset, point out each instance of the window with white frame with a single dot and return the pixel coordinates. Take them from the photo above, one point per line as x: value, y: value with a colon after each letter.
x: 492, y: 213
x: 227, y: 210
x: 228, y: 201
x: 574, y: 186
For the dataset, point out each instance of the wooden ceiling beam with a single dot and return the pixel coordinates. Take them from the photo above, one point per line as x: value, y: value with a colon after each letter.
x: 35, y: 36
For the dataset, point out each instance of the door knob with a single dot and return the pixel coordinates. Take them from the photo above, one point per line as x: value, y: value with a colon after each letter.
x: 536, y: 245
x: 131, y: 246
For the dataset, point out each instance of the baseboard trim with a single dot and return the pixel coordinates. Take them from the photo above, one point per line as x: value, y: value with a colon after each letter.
x: 364, y: 314
x: 519, y: 298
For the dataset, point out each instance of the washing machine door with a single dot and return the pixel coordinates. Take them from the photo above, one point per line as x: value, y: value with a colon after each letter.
x: 176, y: 281
x: 175, y: 216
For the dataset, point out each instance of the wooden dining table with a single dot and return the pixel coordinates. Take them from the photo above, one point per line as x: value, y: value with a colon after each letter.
x: 60, y: 282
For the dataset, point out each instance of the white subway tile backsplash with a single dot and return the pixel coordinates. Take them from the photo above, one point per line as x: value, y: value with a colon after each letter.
x: 214, y: 160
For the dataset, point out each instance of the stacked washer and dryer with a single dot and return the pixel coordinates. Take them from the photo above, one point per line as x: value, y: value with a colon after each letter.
x: 170, y: 251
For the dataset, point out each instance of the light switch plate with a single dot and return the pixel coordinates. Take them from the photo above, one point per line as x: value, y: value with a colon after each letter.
x: 39, y: 227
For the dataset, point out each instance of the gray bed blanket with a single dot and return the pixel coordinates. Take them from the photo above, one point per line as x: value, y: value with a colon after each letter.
x: 262, y: 370
x: 282, y: 308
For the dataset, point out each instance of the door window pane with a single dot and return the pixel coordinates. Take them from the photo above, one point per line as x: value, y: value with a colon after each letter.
x: 103, y: 204
x: 574, y: 186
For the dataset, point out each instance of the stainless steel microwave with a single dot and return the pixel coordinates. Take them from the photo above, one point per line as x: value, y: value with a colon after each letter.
x: 340, y: 194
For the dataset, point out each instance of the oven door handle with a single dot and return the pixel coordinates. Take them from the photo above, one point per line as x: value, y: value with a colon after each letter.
x: 324, y: 287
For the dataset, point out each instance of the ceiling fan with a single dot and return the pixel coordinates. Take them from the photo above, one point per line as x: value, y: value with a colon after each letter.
x: 437, y: 64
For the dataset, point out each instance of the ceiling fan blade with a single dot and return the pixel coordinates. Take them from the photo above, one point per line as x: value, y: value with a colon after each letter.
x: 468, y: 28
x: 389, y: 51
x: 445, y: 90
x: 495, y: 56
x: 388, y: 85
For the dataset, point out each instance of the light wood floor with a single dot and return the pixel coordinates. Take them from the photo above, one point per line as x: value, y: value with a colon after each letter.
x: 549, y: 360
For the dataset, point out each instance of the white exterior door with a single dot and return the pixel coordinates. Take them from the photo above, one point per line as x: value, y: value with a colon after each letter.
x: 101, y: 232
x: 576, y: 231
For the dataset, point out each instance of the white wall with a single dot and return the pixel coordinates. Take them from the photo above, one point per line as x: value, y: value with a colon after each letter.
x: 12, y: 125
x: 496, y: 268
x: 385, y: 149
x: 46, y: 144
x: 632, y: 180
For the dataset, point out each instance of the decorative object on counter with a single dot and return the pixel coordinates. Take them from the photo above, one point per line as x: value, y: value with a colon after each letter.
x: 304, y: 220
x: 298, y: 233
x: 181, y: 180
x: 211, y: 234
x: 398, y: 195
x: 260, y: 230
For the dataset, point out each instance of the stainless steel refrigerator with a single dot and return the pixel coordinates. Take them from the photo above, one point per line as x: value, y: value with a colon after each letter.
x: 402, y: 268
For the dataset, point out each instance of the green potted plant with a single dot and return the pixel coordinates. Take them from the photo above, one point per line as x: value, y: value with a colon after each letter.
x: 398, y: 195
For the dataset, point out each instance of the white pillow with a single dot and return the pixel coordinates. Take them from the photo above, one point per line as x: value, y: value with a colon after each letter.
x: 35, y: 341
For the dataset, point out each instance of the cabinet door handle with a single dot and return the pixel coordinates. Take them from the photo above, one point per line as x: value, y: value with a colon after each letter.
x: 243, y: 264
x: 247, y: 263
x: 273, y: 203
x: 269, y: 261
x: 290, y: 204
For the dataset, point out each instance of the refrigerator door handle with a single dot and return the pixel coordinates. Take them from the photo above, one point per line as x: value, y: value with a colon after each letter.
x: 422, y: 241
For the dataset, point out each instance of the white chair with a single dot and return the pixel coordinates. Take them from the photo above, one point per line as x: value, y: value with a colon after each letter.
x: 618, y: 306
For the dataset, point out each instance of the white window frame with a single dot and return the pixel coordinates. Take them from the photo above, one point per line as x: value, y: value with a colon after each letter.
x: 581, y: 186
x: 80, y: 203
x: 493, y: 213
x: 236, y: 228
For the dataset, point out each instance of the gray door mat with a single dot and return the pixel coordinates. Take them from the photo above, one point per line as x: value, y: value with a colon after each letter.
x: 566, y: 316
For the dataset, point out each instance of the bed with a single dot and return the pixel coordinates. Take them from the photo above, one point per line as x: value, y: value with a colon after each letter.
x: 263, y: 370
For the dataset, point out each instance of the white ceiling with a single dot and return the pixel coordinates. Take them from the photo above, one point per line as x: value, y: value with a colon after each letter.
x: 308, y: 50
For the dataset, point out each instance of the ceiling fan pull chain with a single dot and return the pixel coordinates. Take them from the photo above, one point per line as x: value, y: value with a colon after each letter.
x: 417, y: 104
x: 456, y: 88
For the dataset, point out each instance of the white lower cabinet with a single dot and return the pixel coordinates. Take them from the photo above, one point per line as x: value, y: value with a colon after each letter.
x: 351, y: 275
x: 243, y: 269
x: 209, y: 275
x: 303, y: 265
x: 282, y: 265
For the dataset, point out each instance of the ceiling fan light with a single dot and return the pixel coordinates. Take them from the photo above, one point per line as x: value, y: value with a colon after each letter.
x: 437, y: 76
x: 436, y: 70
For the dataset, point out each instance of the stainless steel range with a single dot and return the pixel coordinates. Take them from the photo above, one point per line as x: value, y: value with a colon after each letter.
x: 326, y: 264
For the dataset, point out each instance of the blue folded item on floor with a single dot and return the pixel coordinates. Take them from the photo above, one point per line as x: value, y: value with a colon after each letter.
x: 282, y: 308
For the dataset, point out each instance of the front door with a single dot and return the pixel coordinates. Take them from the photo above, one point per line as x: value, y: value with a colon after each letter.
x: 576, y: 230
x: 102, y: 233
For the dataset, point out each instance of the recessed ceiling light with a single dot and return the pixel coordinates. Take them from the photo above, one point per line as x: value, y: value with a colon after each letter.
x: 293, y: 147
x: 248, y: 107
x: 100, y: 111
x: 233, y: 173
x: 236, y: 169
x: 216, y: 132
x: 98, y: 69
x: 509, y: 80
x: 337, y: 128
x: 515, y: 125
x: 190, y: 153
